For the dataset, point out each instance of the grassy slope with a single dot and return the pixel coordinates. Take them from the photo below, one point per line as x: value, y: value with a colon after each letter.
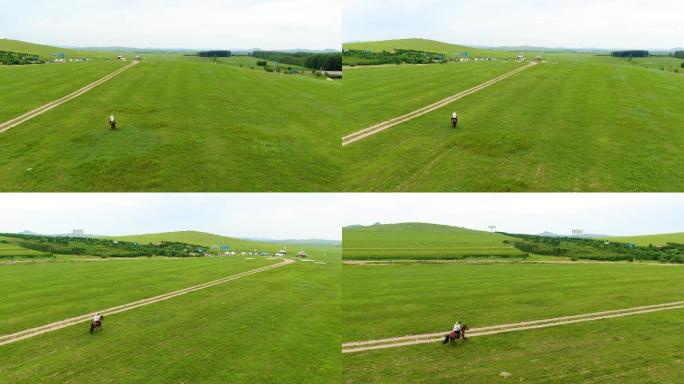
x: 26, y: 87
x: 373, y: 95
x: 185, y: 125
x: 55, y: 291
x: 281, y: 326
x: 47, y: 51
x: 645, y: 240
x: 639, y: 349
x: 200, y: 238
x: 428, y: 46
x: 420, y: 240
x: 11, y: 250
x: 580, y: 123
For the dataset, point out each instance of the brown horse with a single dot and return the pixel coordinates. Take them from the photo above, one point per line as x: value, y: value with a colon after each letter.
x: 453, y: 337
x: 96, y: 325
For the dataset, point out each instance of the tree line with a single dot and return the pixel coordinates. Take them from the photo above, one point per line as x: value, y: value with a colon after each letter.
x: 594, y: 249
x: 215, y: 54
x: 14, y: 58
x: 635, y: 53
x: 399, y: 56
x: 65, y: 245
x: 316, y: 61
x: 679, y: 54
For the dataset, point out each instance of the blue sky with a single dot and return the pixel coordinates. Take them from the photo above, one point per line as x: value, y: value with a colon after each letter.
x: 267, y: 215
x: 604, y: 213
x: 267, y: 24
x: 549, y: 23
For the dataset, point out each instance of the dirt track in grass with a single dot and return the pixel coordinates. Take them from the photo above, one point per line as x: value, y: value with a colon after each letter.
x: 6, y: 126
x: 393, y: 342
x: 25, y: 334
x: 377, y: 128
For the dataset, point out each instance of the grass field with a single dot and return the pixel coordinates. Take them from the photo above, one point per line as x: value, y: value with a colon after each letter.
x: 10, y: 250
x: 184, y: 125
x: 575, y: 123
x: 646, y: 240
x: 36, y: 85
x: 397, y: 300
x: 278, y: 326
x: 422, y: 241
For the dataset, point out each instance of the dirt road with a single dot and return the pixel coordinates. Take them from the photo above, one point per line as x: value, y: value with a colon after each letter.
x: 25, y: 334
x: 360, y: 346
x: 372, y: 130
x: 6, y: 126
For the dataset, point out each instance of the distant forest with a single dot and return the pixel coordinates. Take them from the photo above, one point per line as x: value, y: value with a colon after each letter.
x: 399, y: 56
x: 323, y: 61
x: 13, y: 58
x: 215, y: 54
x: 630, y: 54
x: 679, y: 54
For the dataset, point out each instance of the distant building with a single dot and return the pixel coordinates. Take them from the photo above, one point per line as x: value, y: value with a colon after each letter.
x: 78, y: 232
x: 302, y: 254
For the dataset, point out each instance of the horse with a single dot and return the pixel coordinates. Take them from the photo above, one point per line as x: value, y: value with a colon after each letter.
x: 112, y: 124
x: 96, y: 325
x: 454, y: 122
x: 453, y: 336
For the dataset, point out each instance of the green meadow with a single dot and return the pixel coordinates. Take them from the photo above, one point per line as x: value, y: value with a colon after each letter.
x: 422, y: 241
x: 405, y: 299
x: 427, y: 45
x: 577, y: 122
x: 184, y: 124
x: 277, y: 326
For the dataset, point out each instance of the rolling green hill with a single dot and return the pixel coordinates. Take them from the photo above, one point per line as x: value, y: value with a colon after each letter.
x: 427, y: 46
x: 47, y: 51
x: 210, y: 239
x: 645, y: 240
x: 422, y: 241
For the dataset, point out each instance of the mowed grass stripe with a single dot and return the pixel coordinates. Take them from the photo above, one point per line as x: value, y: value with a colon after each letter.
x: 56, y: 103
x: 17, y: 336
x: 360, y: 346
x: 372, y: 130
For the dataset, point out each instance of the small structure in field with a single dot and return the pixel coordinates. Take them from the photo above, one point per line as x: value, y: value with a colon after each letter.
x: 302, y: 255
x: 520, y: 57
x: 333, y: 74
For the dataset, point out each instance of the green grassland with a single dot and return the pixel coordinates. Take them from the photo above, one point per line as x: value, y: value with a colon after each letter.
x: 422, y: 241
x: 375, y: 94
x: 575, y: 123
x: 655, y: 240
x: 278, y: 326
x: 184, y: 125
x: 26, y: 87
x: 405, y: 299
x: 427, y: 45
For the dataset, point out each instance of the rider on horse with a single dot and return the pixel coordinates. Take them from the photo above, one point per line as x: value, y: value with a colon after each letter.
x: 112, y: 121
x: 97, y: 320
x: 454, y: 119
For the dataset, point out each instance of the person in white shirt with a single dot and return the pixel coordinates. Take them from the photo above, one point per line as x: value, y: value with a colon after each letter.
x: 457, y: 329
x: 454, y: 119
x: 97, y: 318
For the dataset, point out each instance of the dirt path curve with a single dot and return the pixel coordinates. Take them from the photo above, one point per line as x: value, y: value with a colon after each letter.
x: 6, y: 126
x: 359, y: 346
x: 25, y: 334
x: 372, y: 130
